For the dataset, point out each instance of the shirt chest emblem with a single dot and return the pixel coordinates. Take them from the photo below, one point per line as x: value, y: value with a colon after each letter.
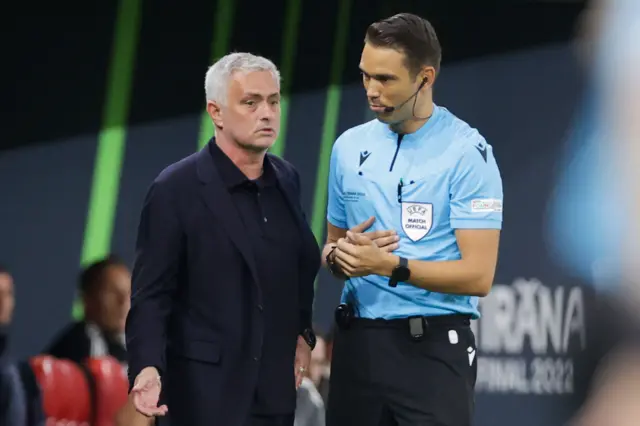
x: 417, y: 219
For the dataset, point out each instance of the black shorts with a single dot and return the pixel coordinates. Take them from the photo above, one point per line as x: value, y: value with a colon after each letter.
x: 382, y: 376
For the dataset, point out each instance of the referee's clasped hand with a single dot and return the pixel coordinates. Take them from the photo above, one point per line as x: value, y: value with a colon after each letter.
x: 387, y: 240
x: 358, y: 255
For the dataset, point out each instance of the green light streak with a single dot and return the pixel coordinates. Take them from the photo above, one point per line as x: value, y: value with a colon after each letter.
x: 332, y: 110
x: 289, y: 46
x: 111, y: 140
x: 222, y: 33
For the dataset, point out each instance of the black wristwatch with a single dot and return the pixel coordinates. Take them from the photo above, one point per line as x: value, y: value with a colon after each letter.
x: 310, y: 337
x: 331, y: 264
x: 400, y: 273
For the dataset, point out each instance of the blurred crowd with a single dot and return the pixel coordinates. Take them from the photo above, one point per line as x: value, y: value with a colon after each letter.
x: 104, y: 289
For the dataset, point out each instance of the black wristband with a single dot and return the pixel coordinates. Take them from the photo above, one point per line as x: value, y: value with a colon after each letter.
x: 400, y: 273
x: 310, y: 337
x: 331, y: 265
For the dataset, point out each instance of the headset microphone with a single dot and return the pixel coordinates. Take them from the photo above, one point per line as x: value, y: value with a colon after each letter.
x: 390, y: 109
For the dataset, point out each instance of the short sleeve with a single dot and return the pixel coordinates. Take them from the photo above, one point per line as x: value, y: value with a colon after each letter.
x: 476, y: 190
x: 336, y: 214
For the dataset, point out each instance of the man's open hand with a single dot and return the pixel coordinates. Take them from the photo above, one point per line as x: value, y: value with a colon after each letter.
x: 146, y: 393
x: 129, y: 416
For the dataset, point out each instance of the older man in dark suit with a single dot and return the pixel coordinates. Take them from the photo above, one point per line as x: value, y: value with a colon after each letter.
x: 220, y: 323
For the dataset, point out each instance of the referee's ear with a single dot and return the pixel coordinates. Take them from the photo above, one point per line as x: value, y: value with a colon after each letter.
x: 428, y: 74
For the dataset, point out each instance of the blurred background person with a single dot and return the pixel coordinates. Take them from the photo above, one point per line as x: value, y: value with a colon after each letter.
x: 7, y: 304
x: 105, y: 288
x: 12, y: 398
x: 615, y: 392
x: 595, y: 227
x: 20, y: 398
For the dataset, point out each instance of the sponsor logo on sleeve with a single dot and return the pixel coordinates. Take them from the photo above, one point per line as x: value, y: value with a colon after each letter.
x: 486, y: 205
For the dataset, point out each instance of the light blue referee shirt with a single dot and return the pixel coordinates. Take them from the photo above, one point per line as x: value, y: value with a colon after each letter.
x: 424, y: 185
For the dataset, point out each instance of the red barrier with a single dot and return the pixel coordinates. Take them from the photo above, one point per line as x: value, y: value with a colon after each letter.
x: 65, y: 391
x: 111, y: 388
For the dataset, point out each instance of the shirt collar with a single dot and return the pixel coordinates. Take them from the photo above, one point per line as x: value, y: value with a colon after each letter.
x: 422, y: 131
x: 231, y: 175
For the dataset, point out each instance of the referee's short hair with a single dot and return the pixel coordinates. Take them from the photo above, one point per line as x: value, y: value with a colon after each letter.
x: 91, y: 277
x: 410, y: 34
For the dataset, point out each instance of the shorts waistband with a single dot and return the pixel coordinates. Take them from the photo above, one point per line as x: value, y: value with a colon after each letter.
x: 430, y: 321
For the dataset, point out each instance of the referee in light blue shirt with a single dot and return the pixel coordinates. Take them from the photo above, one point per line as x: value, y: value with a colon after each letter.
x: 405, y: 353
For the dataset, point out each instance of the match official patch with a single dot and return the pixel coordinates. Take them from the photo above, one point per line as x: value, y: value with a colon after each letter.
x: 487, y: 205
x: 417, y: 219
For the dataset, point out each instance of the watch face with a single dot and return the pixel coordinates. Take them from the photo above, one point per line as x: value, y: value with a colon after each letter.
x: 401, y: 273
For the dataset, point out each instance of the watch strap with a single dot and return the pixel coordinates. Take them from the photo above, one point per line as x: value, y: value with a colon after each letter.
x: 402, y: 264
x: 331, y: 264
x: 310, y: 337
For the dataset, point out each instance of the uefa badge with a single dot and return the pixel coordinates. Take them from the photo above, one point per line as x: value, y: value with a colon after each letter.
x: 417, y: 219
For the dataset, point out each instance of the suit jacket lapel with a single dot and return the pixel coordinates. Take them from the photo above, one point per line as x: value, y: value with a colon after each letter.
x: 293, y: 199
x: 219, y: 202
x: 310, y: 257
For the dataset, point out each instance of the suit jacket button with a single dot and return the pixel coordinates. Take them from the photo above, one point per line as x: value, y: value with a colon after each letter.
x: 255, y: 358
x: 260, y: 308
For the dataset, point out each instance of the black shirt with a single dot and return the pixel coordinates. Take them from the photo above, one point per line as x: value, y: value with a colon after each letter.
x: 276, y: 245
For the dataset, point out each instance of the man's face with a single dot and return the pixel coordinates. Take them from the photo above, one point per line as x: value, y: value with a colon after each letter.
x: 111, y: 299
x: 388, y: 82
x: 251, y: 116
x: 7, y: 298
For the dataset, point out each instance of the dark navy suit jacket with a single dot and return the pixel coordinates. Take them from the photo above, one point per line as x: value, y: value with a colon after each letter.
x: 196, y: 297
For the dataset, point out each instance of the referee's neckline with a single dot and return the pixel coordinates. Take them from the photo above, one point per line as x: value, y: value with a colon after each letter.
x: 423, y: 130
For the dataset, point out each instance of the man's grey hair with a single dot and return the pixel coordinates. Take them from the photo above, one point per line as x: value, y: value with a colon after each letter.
x: 216, y: 82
